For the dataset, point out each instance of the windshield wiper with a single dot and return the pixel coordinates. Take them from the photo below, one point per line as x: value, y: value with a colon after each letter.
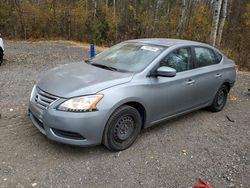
x: 105, y: 67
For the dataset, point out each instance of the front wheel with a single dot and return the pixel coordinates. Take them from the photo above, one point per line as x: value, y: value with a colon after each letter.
x: 220, y: 99
x: 122, y: 129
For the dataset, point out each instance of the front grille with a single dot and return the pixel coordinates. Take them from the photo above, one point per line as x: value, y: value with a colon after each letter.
x: 67, y: 134
x: 43, y: 99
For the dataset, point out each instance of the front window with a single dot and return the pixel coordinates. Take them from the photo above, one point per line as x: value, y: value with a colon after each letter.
x: 179, y: 59
x: 128, y: 57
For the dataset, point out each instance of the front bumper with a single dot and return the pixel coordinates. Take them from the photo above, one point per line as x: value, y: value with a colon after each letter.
x: 81, y: 129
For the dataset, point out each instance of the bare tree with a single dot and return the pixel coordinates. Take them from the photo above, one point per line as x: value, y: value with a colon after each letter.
x: 114, y: 6
x: 215, y: 23
x: 156, y: 16
x: 20, y: 13
x: 222, y: 21
x: 95, y: 4
x: 106, y: 6
x: 183, y: 18
x: 116, y: 26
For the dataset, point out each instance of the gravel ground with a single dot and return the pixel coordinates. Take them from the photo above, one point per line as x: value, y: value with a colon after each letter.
x: 173, y: 154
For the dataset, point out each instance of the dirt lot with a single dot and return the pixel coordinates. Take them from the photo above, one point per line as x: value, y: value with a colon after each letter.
x: 173, y: 154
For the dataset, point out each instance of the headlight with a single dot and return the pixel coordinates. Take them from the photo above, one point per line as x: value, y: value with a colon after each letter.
x: 81, y: 104
x: 32, y: 92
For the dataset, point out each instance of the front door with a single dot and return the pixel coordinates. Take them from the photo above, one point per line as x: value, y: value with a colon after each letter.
x: 173, y: 95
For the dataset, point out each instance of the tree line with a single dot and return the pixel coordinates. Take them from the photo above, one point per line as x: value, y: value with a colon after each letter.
x: 222, y: 23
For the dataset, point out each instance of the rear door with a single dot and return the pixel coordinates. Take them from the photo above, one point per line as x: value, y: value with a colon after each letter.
x: 207, y: 74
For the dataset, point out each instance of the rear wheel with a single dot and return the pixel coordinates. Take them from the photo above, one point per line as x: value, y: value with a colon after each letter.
x: 122, y: 129
x: 220, y: 99
x: 1, y: 56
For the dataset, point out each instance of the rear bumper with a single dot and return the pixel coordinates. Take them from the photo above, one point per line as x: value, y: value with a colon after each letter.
x: 81, y: 129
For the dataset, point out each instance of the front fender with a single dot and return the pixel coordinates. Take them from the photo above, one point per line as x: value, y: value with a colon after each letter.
x: 119, y: 95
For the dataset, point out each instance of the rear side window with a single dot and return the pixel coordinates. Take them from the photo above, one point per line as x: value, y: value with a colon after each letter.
x: 218, y: 56
x: 205, y: 57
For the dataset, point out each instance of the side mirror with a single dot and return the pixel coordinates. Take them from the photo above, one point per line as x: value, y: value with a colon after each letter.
x: 165, y: 72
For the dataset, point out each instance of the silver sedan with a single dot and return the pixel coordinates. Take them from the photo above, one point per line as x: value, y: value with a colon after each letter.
x: 132, y: 85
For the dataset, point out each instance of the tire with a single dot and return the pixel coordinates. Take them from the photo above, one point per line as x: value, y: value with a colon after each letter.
x: 220, y: 99
x: 122, y: 129
x: 1, y: 56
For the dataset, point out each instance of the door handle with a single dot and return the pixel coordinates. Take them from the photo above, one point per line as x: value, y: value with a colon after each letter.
x: 190, y: 82
x: 218, y: 75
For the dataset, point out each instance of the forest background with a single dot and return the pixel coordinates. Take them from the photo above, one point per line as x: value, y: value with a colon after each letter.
x: 224, y: 24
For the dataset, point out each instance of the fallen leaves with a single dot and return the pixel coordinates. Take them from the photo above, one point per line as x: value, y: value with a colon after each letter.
x: 232, y: 98
x: 184, y: 152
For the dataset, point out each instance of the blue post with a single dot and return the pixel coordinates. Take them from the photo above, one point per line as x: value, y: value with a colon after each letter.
x: 92, y: 51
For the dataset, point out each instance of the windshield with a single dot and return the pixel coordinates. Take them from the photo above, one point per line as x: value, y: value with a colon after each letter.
x: 128, y: 57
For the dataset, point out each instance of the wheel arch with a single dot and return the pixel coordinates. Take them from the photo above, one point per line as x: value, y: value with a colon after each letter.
x: 138, y: 105
x: 140, y: 108
x: 228, y: 85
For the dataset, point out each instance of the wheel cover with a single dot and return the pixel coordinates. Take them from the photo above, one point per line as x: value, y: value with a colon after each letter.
x: 220, y: 98
x: 124, y: 128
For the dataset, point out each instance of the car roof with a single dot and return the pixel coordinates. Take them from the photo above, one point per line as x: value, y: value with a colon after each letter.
x: 168, y: 42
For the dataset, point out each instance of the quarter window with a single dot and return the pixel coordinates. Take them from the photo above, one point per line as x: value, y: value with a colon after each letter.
x: 205, y: 57
x: 179, y: 59
x: 218, y: 57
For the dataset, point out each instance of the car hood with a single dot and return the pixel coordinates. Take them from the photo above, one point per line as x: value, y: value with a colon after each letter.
x: 78, y: 79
